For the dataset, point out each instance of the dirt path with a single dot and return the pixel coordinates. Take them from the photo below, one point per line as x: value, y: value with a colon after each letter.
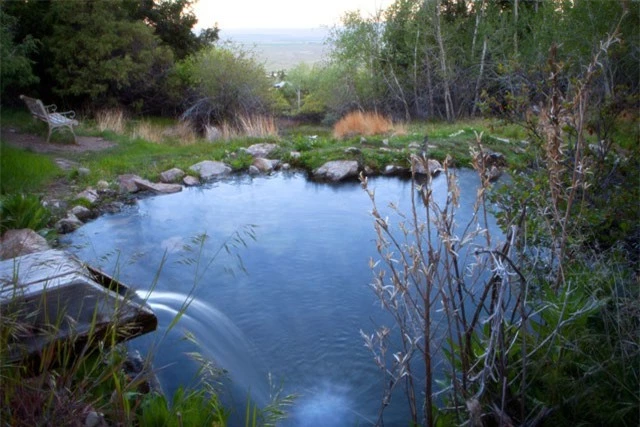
x: 39, y: 144
x: 63, y: 154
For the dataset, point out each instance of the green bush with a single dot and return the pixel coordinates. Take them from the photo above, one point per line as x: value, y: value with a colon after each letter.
x: 228, y: 84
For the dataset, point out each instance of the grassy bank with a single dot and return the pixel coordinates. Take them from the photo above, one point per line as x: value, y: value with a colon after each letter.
x: 157, y: 149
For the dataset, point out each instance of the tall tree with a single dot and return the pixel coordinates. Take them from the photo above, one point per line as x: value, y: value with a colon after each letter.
x: 16, y: 70
x: 173, y: 22
x: 100, y: 53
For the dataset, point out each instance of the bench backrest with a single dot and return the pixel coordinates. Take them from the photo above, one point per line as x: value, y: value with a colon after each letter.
x: 36, y: 107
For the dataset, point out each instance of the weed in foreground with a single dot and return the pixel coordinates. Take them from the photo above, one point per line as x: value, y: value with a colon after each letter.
x: 540, y: 328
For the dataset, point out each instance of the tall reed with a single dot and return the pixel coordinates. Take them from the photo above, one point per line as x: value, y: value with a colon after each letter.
x: 111, y: 120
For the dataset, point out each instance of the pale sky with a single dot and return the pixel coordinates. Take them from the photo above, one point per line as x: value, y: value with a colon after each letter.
x: 230, y: 14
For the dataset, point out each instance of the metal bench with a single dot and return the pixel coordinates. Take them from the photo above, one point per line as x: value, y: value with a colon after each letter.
x: 48, y: 114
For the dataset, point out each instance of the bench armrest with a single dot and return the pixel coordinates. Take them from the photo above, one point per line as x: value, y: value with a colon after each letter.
x: 50, y: 108
x: 68, y: 114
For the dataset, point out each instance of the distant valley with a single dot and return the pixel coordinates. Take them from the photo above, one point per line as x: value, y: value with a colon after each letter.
x: 281, y: 49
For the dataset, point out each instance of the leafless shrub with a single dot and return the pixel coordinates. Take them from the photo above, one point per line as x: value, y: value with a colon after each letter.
x: 476, y: 320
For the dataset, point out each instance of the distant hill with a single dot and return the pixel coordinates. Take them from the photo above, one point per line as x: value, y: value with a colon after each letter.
x: 281, y: 49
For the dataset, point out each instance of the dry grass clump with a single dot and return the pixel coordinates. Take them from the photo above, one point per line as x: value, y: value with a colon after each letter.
x: 111, y: 120
x: 245, y: 126
x: 362, y: 123
x: 147, y: 131
x: 182, y: 132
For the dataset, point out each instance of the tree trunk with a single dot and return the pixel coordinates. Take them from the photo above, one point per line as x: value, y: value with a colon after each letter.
x: 477, y: 96
x: 448, y: 103
x: 515, y: 26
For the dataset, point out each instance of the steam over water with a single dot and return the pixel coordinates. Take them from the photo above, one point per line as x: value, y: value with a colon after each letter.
x: 297, y: 311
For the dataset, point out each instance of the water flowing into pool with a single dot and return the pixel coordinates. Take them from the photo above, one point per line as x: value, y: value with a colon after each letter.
x: 290, y: 304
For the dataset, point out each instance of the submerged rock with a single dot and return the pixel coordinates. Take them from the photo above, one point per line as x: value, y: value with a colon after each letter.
x: 337, y: 170
x: 15, y: 243
x: 209, y: 169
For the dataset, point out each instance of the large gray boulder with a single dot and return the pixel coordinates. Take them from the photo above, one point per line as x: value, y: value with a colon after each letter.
x: 156, y: 187
x: 15, y: 243
x: 261, y: 150
x: 337, y: 170
x: 209, y: 169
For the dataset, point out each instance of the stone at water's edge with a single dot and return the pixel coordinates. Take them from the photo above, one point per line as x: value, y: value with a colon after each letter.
x: 127, y: 184
x: 82, y: 213
x: 89, y: 194
x: 68, y: 224
x: 432, y: 167
x: 172, y: 175
x: 494, y: 173
x: 160, y: 188
x: 102, y: 185
x: 190, y: 181
x: 15, y: 243
x: 337, y: 170
x: 394, y: 170
x: 265, y: 165
x: 209, y: 169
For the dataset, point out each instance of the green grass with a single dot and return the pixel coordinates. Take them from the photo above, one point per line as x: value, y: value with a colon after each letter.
x: 315, y: 143
x: 149, y: 160
x: 25, y: 172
